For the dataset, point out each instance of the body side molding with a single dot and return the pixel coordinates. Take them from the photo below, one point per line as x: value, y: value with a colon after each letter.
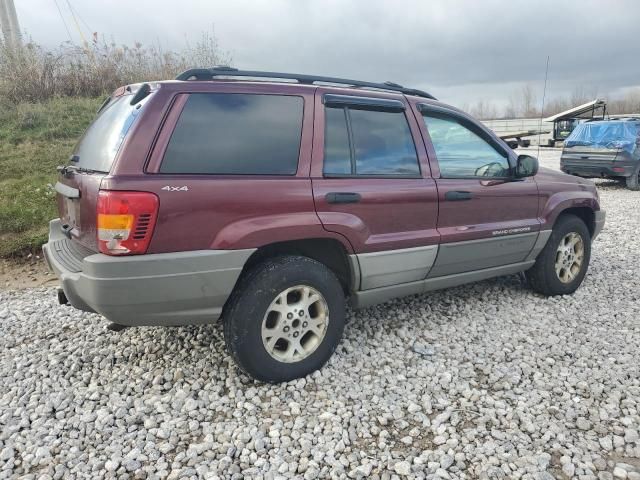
x: 392, y: 267
x: 473, y: 255
x: 379, y: 295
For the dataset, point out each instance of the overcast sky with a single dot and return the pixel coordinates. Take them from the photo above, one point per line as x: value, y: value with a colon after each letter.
x: 460, y: 51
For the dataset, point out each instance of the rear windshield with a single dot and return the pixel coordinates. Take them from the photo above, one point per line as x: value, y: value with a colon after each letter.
x: 99, y: 145
x: 609, y: 135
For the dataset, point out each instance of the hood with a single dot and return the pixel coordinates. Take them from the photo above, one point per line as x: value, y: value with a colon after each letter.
x: 549, y: 180
x: 557, y: 188
x: 554, y: 176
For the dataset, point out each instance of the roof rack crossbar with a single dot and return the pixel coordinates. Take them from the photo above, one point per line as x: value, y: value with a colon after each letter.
x: 210, y: 73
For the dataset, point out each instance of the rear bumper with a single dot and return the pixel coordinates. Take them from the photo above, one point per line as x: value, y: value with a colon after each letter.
x: 598, y: 168
x: 179, y: 288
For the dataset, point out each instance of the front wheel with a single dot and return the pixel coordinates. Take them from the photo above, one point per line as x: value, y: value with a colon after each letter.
x: 563, y: 262
x: 285, y: 318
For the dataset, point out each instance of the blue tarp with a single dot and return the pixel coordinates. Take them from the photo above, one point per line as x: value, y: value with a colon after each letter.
x: 621, y: 135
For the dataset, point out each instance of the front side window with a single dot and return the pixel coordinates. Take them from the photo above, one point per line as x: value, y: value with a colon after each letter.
x: 369, y: 143
x: 463, y: 153
x: 236, y: 134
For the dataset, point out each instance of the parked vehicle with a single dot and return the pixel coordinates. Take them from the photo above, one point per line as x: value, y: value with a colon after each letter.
x: 604, y: 149
x: 270, y: 203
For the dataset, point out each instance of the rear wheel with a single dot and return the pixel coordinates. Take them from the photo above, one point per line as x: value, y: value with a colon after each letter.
x: 563, y: 263
x: 285, y: 318
x: 633, y: 182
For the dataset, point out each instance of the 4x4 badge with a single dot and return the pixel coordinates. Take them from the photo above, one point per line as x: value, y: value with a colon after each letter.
x: 170, y: 188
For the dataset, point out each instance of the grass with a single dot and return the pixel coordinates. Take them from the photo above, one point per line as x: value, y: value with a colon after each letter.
x: 34, y: 139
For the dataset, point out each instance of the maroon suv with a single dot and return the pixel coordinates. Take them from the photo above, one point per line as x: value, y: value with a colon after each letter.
x: 268, y: 199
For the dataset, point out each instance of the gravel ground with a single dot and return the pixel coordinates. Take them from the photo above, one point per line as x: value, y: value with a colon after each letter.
x: 486, y: 381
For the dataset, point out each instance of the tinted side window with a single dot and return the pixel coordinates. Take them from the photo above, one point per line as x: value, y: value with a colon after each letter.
x: 337, y: 152
x: 222, y: 133
x: 378, y: 143
x: 461, y: 152
x: 383, y: 144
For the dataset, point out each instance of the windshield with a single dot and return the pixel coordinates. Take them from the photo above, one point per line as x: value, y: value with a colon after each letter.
x: 610, y: 135
x: 100, y: 143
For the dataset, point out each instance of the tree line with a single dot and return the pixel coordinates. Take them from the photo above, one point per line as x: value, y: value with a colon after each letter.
x: 33, y: 73
x: 524, y: 103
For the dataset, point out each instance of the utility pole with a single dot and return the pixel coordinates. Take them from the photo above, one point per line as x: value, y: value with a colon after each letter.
x: 9, y: 23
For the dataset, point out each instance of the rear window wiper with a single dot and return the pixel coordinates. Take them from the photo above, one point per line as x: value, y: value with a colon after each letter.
x: 67, y: 169
x: 104, y: 104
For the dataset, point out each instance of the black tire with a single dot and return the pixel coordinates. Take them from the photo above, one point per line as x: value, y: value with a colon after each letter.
x: 257, y: 289
x: 633, y: 182
x: 542, y: 276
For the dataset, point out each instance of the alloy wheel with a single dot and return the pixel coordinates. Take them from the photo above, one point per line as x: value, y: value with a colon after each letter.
x: 295, y: 324
x: 569, y: 257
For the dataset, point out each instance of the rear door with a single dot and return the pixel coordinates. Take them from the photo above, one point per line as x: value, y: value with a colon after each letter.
x: 372, y: 184
x: 231, y: 168
x: 486, y: 218
x: 79, y: 181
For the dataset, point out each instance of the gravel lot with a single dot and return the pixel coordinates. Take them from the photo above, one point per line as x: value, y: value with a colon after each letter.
x: 485, y: 381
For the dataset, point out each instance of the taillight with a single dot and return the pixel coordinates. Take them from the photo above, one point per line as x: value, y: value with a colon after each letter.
x: 125, y: 221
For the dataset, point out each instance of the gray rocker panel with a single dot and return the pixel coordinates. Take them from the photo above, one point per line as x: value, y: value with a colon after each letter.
x: 374, y: 296
x: 475, y: 255
x: 392, y: 267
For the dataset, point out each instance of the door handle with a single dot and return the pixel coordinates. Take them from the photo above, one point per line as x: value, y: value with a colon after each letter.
x: 456, y: 196
x: 343, y: 197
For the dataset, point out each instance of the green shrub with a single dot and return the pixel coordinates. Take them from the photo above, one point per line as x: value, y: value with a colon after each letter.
x: 47, y: 99
x: 34, y: 139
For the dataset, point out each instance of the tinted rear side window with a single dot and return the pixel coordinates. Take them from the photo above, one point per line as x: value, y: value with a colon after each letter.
x: 100, y: 143
x: 368, y: 142
x: 244, y: 134
x: 383, y: 143
x: 337, y: 153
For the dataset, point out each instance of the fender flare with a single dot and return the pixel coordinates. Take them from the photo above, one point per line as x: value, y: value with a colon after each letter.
x: 563, y: 201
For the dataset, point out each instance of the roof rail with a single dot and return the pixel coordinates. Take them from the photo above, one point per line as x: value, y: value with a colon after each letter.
x: 210, y: 73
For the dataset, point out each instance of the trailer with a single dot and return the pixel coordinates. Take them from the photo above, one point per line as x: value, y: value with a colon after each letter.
x: 523, y: 131
x: 518, y: 139
x: 565, y: 122
x: 550, y: 131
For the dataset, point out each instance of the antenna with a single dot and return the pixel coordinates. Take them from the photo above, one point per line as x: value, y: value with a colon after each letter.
x: 544, y: 94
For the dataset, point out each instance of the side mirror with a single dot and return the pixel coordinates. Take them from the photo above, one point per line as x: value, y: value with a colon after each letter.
x: 526, y: 166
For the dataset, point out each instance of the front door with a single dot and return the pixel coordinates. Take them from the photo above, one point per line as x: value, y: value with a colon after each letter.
x: 372, y: 184
x: 486, y: 219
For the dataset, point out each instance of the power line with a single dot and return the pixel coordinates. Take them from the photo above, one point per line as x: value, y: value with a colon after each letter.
x: 75, y: 20
x: 63, y: 21
x: 73, y: 9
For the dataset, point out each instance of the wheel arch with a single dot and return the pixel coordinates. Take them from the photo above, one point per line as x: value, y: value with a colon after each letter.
x: 586, y: 214
x: 571, y: 203
x: 328, y: 251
